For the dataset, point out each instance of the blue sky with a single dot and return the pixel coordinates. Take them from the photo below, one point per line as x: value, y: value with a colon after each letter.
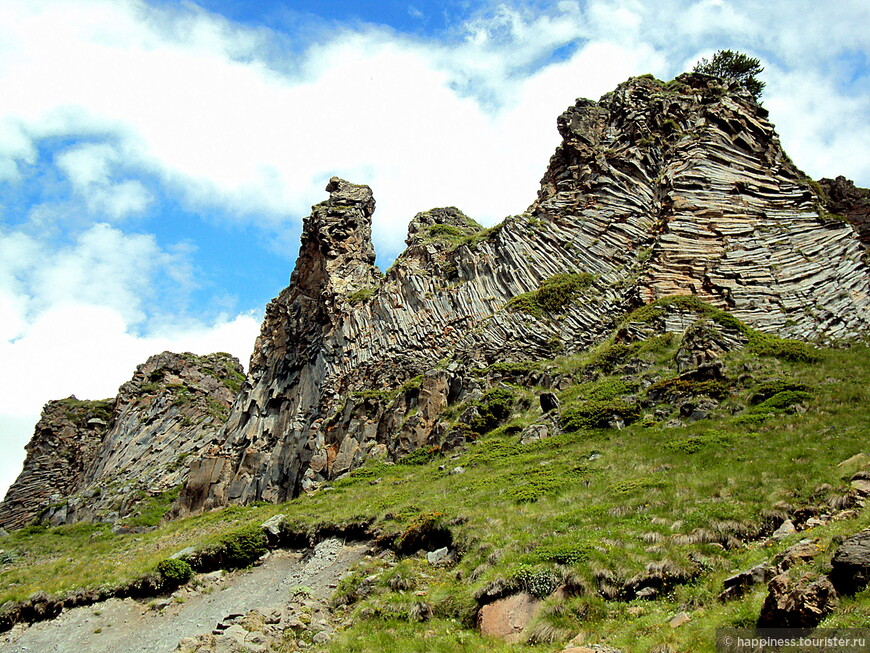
x: 157, y: 158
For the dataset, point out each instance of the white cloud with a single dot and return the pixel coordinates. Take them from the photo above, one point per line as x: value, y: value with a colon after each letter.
x: 89, y: 168
x: 73, y: 321
x: 199, y: 103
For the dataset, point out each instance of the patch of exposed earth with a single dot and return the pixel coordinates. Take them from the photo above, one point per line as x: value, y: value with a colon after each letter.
x: 219, y: 611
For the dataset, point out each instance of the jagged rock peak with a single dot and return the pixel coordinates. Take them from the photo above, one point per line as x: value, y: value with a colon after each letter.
x: 206, y: 373
x: 63, y: 447
x: 337, y: 254
x: 658, y: 189
x: 842, y: 197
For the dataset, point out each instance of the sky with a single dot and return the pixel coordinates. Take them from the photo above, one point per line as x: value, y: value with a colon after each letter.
x: 157, y: 158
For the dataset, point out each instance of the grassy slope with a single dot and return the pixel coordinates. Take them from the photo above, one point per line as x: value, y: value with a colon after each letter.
x: 546, y: 511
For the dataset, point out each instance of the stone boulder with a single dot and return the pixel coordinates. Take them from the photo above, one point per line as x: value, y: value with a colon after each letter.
x: 797, y: 604
x: 508, y: 617
x: 851, y: 564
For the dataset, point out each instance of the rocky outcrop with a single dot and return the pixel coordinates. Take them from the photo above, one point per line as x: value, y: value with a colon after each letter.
x: 797, y: 603
x: 98, y: 461
x: 64, y: 446
x: 851, y: 564
x: 843, y: 198
x: 657, y: 189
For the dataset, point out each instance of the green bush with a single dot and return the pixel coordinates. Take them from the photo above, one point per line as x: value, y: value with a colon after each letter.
x: 493, y: 408
x: 174, y: 572
x: 673, y: 388
x: 420, y: 456
x: 781, y: 402
x: 597, y: 414
x: 360, y: 296
x: 768, y: 389
x: 695, y: 443
x: 241, y: 548
x: 785, y: 348
x: 536, y: 580
x: 734, y: 66
x: 562, y: 553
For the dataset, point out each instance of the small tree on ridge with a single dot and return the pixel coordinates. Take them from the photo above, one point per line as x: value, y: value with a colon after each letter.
x: 734, y: 66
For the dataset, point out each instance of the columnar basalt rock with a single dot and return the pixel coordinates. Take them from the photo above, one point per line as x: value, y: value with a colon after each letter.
x: 657, y: 189
x: 64, y: 446
x: 96, y: 461
x: 843, y: 198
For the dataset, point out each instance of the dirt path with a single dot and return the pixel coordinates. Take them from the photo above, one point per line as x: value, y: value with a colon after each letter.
x: 138, y: 626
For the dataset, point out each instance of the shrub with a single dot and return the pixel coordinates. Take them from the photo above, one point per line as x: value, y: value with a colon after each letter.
x: 536, y: 580
x: 420, y: 456
x: 552, y: 294
x: 734, y: 66
x: 360, y: 296
x: 785, y: 348
x: 597, y: 414
x: 562, y: 553
x: 242, y: 547
x: 676, y: 387
x: 174, y: 572
x: 493, y: 408
x: 768, y: 389
x: 426, y: 531
x: 782, y: 402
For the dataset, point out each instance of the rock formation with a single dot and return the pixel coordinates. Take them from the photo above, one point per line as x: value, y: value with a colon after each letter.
x: 63, y: 448
x: 96, y: 461
x: 843, y: 198
x: 657, y: 189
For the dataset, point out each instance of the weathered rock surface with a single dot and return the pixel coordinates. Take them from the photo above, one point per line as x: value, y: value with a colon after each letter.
x: 800, y: 603
x: 507, y: 618
x: 657, y: 189
x: 853, y: 203
x: 851, y: 564
x: 95, y: 461
x: 64, y: 446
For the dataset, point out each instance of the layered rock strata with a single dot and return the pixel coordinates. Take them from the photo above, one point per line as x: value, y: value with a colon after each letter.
x: 846, y: 200
x: 657, y: 189
x: 64, y: 446
x: 98, y: 461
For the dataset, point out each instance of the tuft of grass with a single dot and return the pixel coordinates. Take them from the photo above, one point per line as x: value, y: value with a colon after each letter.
x: 360, y: 296
x: 553, y: 294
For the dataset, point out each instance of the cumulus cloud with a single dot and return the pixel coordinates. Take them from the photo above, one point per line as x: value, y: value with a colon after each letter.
x: 89, y: 169
x: 74, y: 320
x: 209, y: 108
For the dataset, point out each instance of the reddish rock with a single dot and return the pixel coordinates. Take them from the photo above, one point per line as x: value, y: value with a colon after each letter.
x: 508, y: 617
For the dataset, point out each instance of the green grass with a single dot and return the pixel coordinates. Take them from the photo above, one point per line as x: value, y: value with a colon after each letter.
x: 360, y: 296
x: 593, y: 509
x: 552, y: 295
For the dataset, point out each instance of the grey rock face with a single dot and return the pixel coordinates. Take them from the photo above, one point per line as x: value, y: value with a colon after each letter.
x: 93, y: 461
x: 851, y: 564
x: 654, y: 191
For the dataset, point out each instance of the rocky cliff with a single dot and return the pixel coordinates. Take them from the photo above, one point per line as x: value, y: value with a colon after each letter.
x: 842, y: 198
x: 63, y: 448
x: 105, y: 460
x: 657, y: 189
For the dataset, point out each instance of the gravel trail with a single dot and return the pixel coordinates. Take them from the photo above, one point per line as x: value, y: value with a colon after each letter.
x: 157, y: 626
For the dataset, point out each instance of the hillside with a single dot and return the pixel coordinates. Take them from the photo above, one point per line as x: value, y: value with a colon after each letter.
x: 635, y: 524
x: 632, y: 415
